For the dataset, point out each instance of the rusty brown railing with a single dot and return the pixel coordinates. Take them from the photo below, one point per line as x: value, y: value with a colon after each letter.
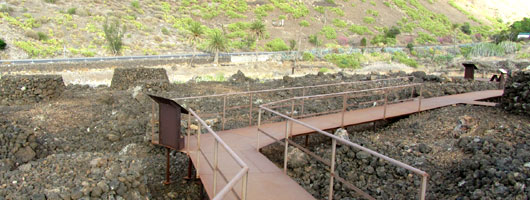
x: 242, y: 175
x: 252, y: 106
x: 331, y: 163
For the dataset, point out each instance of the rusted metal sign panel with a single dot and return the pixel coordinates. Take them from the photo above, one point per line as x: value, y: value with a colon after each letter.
x: 169, y: 123
x: 470, y: 70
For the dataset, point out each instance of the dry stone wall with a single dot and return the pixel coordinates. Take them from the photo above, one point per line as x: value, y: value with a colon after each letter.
x: 125, y: 78
x: 516, y: 97
x: 25, y: 89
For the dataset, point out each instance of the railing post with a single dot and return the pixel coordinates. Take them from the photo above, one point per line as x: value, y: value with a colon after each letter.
x: 420, y: 97
x: 198, y: 149
x: 286, y: 146
x: 332, y: 167
x: 257, y: 132
x: 386, y: 102
x: 152, y: 121
x: 189, y: 134
x: 292, y: 115
x: 224, y: 113
x: 250, y: 112
x: 343, y: 110
x: 244, y: 187
x: 215, y: 166
x: 303, y: 102
x: 412, y: 92
x: 423, y: 189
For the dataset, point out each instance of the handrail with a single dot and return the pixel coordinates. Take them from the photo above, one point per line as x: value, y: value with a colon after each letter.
x: 289, y: 88
x: 241, y: 175
x: 289, y: 124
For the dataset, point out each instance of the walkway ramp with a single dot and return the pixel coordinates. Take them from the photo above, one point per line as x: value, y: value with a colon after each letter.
x: 266, y: 180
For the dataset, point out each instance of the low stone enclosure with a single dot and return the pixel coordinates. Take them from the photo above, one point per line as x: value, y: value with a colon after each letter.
x: 125, y: 78
x: 22, y: 89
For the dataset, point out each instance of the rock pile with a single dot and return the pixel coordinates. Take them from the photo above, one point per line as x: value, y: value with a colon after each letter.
x: 90, y: 176
x: 24, y: 89
x: 516, y: 97
x: 16, y: 146
x: 125, y: 78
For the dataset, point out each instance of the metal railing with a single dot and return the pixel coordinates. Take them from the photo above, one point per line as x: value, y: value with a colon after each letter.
x: 252, y: 106
x: 331, y: 163
x: 242, y: 174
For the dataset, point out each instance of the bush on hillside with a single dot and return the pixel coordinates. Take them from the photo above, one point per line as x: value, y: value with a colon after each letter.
x: 403, y: 58
x: 3, y: 44
x: 345, y: 60
x: 276, y: 45
x: 308, y: 56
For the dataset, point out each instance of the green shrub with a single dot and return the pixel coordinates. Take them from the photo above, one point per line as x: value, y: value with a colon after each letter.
x: 308, y: 56
x: 519, y: 56
x: 410, y: 46
x: 360, y: 30
x: 509, y: 47
x: 276, y: 45
x: 71, y: 11
x: 304, y: 23
x: 387, y: 4
x: 392, y: 32
x: 466, y: 28
x: 114, y: 35
x: 345, y: 60
x: 329, y: 32
x: 165, y: 31
x: 49, y: 1
x: 369, y: 20
x: 425, y: 38
x: 323, y: 70
x: 313, y: 39
x: 3, y: 44
x: 337, y: 11
x: 339, y: 23
x: 135, y: 4
x: 372, y: 12
x: 262, y: 11
x: 444, y: 59
x: 403, y: 58
x: 363, y: 42
x: 42, y: 36
x: 486, y: 50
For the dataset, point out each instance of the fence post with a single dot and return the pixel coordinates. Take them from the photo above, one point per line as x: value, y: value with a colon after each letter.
x: 198, y: 149
x: 423, y: 189
x: 343, y: 110
x: 292, y: 115
x: 250, y: 112
x: 259, y: 125
x: 286, y: 146
x: 332, y: 167
x: 386, y: 102
x: 244, y: 187
x: 224, y: 112
x: 420, y: 97
x: 189, y: 134
x: 303, y: 102
x: 215, y: 166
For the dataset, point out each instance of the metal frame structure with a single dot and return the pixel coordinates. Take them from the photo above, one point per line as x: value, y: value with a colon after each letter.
x: 242, y: 174
x: 331, y: 163
x: 252, y: 107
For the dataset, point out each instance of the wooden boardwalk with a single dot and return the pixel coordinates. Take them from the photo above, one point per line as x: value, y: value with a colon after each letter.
x: 266, y: 180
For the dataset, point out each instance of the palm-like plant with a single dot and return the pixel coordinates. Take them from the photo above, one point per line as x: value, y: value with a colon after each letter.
x: 195, y: 33
x: 216, y: 43
x: 258, y: 28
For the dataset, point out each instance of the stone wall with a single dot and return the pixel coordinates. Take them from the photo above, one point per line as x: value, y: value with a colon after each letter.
x: 125, y: 78
x: 23, y: 89
x: 516, y: 97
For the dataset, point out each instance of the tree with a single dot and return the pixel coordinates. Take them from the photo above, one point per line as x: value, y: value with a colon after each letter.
x: 466, y: 28
x: 114, y: 35
x: 292, y: 45
x: 195, y: 32
x: 363, y: 44
x: 216, y: 43
x: 258, y: 28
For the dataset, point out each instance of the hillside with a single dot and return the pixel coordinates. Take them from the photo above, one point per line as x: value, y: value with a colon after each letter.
x: 60, y: 28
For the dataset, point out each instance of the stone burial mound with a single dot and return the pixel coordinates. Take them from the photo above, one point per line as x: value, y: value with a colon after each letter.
x: 24, y: 89
x: 516, y: 97
x: 153, y: 78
